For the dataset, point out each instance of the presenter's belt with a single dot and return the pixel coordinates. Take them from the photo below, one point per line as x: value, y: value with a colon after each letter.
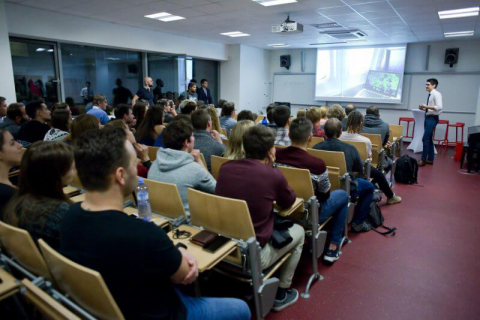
x: 432, y: 115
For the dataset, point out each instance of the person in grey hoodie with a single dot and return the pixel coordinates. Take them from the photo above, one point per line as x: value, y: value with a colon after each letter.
x: 180, y: 163
x: 374, y: 125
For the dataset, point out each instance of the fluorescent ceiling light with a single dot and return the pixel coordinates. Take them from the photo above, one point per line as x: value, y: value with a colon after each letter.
x: 459, y: 34
x: 459, y: 13
x: 268, y: 3
x: 235, y: 34
x: 164, y: 16
x: 50, y: 50
x: 240, y: 35
x: 40, y: 49
x: 278, y: 45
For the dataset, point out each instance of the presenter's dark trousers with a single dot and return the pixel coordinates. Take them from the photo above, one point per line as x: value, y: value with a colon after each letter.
x: 428, y: 149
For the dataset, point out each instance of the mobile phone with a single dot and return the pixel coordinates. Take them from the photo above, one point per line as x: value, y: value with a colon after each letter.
x: 216, y: 244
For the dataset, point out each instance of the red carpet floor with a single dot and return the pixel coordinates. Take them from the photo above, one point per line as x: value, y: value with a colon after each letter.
x: 429, y: 270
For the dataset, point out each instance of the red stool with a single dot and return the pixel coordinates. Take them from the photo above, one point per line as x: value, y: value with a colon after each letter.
x: 458, y: 125
x: 408, y: 120
x: 441, y: 141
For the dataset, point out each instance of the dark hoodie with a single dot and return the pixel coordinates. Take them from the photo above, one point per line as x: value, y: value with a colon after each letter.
x: 375, y: 125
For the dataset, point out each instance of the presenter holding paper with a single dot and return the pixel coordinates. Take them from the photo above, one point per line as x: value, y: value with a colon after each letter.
x: 432, y: 109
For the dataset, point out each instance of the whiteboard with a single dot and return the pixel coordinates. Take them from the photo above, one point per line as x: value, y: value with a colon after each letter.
x: 459, y: 91
x: 295, y: 88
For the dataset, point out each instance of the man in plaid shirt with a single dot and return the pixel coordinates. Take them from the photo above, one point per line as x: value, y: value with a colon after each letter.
x: 281, y: 117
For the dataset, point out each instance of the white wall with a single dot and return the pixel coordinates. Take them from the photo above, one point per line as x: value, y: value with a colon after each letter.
x: 230, y: 75
x: 7, y: 86
x: 30, y: 22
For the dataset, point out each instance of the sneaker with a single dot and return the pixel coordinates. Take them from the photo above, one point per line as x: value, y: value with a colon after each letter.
x: 394, y: 199
x: 332, y: 255
x: 290, y: 298
x: 363, y: 227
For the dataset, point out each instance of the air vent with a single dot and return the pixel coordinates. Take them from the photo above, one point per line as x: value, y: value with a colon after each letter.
x: 329, y: 25
x: 327, y: 43
x: 346, y: 34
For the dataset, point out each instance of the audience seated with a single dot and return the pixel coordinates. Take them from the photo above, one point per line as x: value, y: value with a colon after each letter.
x: 60, y: 106
x: 207, y: 140
x: 187, y: 107
x: 227, y: 120
x: 349, y: 108
x: 35, y: 129
x: 125, y: 113
x: 180, y: 163
x: 3, y: 108
x: 354, y: 125
x: 168, y: 110
x: 270, y: 111
x: 191, y: 93
x: 212, y: 111
x: 246, y: 115
x: 61, y: 123
x: 99, y: 108
x: 139, y: 110
x: 235, y: 149
x: 10, y: 155
x: 200, y: 104
x: 332, y: 204
x: 139, y: 263
x: 16, y: 116
x: 314, y: 115
x: 363, y: 190
x: 151, y: 126
x: 82, y: 124
x: 323, y: 115
x: 301, y: 113
x: 40, y: 204
x: 281, y: 117
x: 375, y: 125
x: 260, y: 188
x: 220, y: 103
x: 336, y: 111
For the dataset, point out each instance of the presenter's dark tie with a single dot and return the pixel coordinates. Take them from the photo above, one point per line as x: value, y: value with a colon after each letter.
x: 428, y: 99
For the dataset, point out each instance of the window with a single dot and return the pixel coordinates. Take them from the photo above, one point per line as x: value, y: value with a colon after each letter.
x: 169, y: 71
x: 207, y: 69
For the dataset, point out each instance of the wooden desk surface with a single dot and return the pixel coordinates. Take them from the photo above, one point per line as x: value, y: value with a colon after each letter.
x: 205, y: 259
x: 79, y: 198
x: 158, y: 220
x: 69, y: 190
x: 297, y: 206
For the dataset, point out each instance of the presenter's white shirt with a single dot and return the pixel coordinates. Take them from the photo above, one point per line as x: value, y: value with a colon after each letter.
x: 435, y: 100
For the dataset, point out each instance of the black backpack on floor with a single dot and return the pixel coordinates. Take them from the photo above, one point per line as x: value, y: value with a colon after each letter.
x: 375, y: 217
x: 406, y: 170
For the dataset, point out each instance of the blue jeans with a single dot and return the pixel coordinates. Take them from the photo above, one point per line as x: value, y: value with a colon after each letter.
x: 215, y: 308
x: 428, y: 149
x: 365, y: 191
x: 337, y: 207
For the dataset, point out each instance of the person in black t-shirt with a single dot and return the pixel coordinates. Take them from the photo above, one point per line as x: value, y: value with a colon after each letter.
x: 137, y: 260
x: 145, y: 92
x: 35, y: 129
x: 10, y: 155
x: 121, y: 94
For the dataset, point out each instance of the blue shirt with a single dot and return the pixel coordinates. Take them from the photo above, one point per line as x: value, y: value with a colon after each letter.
x: 227, y: 123
x: 100, y: 114
x: 145, y: 94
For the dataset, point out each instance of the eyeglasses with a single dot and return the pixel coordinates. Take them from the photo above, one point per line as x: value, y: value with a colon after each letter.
x: 180, y: 234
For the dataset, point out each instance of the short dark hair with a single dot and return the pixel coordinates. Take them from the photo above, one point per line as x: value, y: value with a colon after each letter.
x: 300, y: 130
x: 87, y: 82
x: 333, y: 128
x: 121, y: 110
x: 2, y: 99
x: 191, y: 84
x: 257, y: 141
x: 175, y: 134
x: 59, y: 106
x: 433, y: 81
x: 105, y: 147
x: 270, y: 115
x: 373, y: 110
x: 349, y: 108
x: 188, y: 107
x: 60, y: 119
x: 200, y: 119
x: 228, y: 108
x: 32, y: 107
x: 246, y: 115
x: 271, y: 106
x: 203, y: 80
x: 220, y: 103
x: 354, y: 122
x: 13, y: 111
x: 281, y: 115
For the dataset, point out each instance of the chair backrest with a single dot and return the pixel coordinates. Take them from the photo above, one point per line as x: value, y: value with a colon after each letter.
x: 259, y: 119
x: 165, y: 199
x: 203, y: 160
x: 361, y: 148
x: 223, y: 131
x: 280, y: 146
x: 334, y: 177
x: 84, y: 285
x: 331, y: 159
x: 396, y: 131
x: 299, y: 180
x: 21, y: 247
x: 225, y: 142
x: 48, y: 307
x: 228, y: 217
x: 215, y: 163
x: 374, y: 138
x: 314, y: 141
x: 152, y: 153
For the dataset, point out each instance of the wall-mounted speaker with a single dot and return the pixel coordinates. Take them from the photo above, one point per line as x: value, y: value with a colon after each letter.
x: 451, y: 56
x: 285, y: 61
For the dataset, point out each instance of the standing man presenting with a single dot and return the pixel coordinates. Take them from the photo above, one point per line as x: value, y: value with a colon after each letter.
x: 145, y: 92
x: 432, y: 109
x: 87, y: 93
x: 204, y: 93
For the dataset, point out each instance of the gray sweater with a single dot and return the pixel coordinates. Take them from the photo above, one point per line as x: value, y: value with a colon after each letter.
x: 180, y: 168
x: 374, y: 125
x: 208, y: 146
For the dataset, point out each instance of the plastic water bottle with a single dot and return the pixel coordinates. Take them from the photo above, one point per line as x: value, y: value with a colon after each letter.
x: 264, y: 122
x: 144, y: 209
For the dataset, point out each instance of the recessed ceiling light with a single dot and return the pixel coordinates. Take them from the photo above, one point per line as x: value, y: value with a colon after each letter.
x: 235, y: 34
x: 164, y: 16
x: 50, y: 50
x: 268, y: 3
x: 278, y: 45
x: 459, y: 13
x: 231, y: 33
x: 459, y: 34
x: 40, y: 49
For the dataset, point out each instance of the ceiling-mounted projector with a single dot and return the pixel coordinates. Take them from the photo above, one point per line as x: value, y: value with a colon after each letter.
x: 288, y: 27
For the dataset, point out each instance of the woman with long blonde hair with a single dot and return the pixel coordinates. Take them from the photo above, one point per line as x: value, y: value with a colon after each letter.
x: 235, y: 149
